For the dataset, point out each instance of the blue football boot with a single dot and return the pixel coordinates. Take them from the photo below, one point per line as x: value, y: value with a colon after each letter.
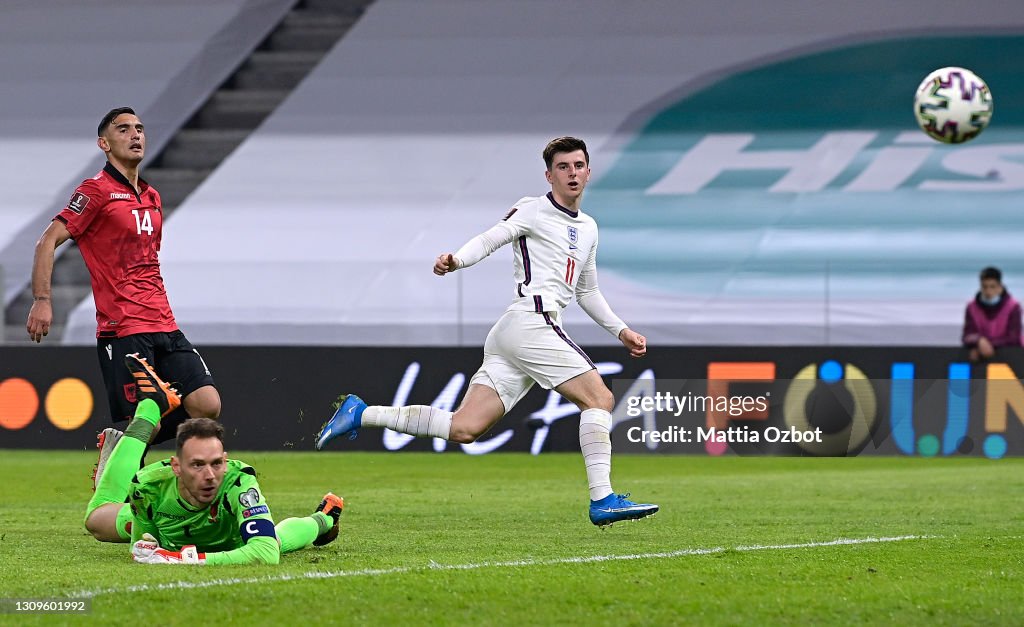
x: 616, y: 507
x: 347, y: 418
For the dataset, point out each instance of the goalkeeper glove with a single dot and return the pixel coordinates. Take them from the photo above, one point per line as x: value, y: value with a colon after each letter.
x: 148, y: 551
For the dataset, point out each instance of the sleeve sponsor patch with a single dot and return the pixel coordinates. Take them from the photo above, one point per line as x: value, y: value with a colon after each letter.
x: 255, y: 511
x: 257, y: 527
x: 78, y: 202
x: 249, y: 498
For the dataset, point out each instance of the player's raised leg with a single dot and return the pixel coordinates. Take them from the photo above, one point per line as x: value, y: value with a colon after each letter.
x: 595, y: 401
x: 317, y: 529
x: 107, y: 516
x: 329, y: 511
x: 479, y: 411
x: 105, y: 442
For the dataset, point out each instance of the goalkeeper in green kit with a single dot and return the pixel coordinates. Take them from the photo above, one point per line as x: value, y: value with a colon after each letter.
x: 198, y: 507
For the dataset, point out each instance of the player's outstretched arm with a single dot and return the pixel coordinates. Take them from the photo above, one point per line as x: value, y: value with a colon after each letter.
x: 477, y: 248
x: 258, y: 550
x: 40, y: 316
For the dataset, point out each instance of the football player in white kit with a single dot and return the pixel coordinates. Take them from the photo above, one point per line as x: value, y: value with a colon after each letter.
x: 555, y: 246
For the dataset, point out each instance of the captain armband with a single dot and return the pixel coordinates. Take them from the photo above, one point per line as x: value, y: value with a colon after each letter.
x: 257, y: 527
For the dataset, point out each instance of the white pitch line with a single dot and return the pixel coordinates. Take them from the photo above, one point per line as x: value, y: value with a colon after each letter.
x: 379, y: 572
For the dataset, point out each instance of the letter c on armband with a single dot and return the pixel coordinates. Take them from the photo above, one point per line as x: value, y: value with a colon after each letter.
x: 258, y: 527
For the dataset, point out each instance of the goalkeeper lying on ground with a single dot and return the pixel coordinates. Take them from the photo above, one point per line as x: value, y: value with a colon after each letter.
x: 198, y: 507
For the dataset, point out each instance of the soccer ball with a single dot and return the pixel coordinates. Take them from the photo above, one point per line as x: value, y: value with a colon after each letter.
x: 953, y: 105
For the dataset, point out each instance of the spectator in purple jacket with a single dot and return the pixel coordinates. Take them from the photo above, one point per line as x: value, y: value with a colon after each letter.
x: 992, y: 319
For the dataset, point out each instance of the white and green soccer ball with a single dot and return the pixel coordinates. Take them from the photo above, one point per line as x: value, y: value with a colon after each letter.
x: 953, y: 105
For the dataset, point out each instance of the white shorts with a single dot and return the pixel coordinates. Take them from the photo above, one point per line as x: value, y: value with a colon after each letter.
x: 524, y: 347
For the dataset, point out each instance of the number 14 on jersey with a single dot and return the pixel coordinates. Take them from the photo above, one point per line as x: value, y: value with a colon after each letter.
x: 143, y: 223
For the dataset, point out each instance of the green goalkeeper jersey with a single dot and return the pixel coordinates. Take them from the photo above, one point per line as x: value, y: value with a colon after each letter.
x: 238, y: 516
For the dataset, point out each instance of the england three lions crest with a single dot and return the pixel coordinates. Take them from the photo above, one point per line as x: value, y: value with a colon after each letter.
x: 573, y: 237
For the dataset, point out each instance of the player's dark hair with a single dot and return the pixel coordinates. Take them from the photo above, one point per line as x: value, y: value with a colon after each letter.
x: 564, y: 144
x: 198, y: 428
x: 109, y: 117
x: 992, y: 273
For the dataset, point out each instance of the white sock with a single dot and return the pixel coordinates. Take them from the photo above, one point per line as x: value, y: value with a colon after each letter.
x: 420, y: 420
x: 596, y: 444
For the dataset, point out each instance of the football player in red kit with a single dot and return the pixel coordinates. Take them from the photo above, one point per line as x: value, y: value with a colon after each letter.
x: 116, y: 219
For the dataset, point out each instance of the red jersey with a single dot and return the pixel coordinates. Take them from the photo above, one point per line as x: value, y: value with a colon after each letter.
x: 118, y: 232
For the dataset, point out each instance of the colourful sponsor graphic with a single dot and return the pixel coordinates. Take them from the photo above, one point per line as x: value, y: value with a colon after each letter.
x: 809, y: 401
x: 255, y: 511
x: 1003, y: 398
x: 998, y: 399
x: 822, y: 409
x: 853, y: 433
x: 67, y: 403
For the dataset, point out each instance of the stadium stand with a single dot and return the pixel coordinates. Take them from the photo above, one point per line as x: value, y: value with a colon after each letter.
x: 65, y: 63
x: 424, y: 124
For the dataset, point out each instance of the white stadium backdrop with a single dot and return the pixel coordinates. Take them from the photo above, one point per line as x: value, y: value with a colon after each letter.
x: 64, y: 63
x: 777, y: 222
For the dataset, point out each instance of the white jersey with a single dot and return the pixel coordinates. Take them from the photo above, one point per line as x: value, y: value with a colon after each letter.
x: 555, y: 258
x: 552, y: 247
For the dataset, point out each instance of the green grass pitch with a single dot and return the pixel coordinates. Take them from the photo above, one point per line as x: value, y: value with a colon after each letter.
x: 503, y: 538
